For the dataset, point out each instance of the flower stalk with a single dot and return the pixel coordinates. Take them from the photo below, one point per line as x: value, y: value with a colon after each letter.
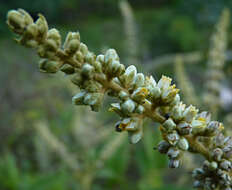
x: 138, y: 97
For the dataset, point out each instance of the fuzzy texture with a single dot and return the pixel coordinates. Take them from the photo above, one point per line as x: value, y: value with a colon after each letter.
x: 215, y: 64
x: 183, y: 127
x: 184, y: 83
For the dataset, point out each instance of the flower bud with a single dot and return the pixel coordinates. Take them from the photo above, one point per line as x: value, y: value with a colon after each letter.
x: 169, y: 125
x: 184, y: 128
x: 176, y: 100
x: 72, y: 46
x: 92, y: 86
x: 117, y: 127
x: 83, y: 49
x: 198, y: 173
x: 139, y: 94
x: 217, y: 154
x: 198, y: 184
x: 78, y: 98
x: 53, y: 34
x: 183, y: 144
x: 71, y: 36
x: 87, y: 70
x: 150, y: 83
x: 18, y: 20
x: 27, y: 17
x: 123, y: 95
x: 164, y: 82
x: 114, y: 68
x: 173, y: 138
x: 189, y: 113
x: 173, y: 153
x: 77, y: 79
x: 177, y: 112
x: 49, y: 66
x: 101, y: 58
x: 31, y: 32
x: 155, y: 92
x: 128, y: 106
x: 89, y: 58
x: 111, y: 55
x: 213, y: 166
x: 213, y: 128
x: 169, y: 94
x: 140, y: 109
x: 206, y: 165
x: 128, y: 77
x: 132, y: 125
x: 79, y: 57
x: 42, y: 27
x: 198, y: 126
x: 226, y: 165
x: 94, y: 100
x: 98, y: 66
x: 139, y: 80
x: 115, y: 107
x: 67, y: 69
x: 205, y: 115
x: 135, y: 136
x: 163, y: 147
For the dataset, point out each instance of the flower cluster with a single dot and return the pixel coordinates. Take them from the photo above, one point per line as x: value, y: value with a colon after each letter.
x: 183, y: 127
x: 217, y: 171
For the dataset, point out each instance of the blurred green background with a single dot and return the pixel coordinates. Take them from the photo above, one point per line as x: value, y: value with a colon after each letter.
x: 47, y: 143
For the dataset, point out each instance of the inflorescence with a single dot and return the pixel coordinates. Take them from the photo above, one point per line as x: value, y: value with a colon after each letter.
x: 183, y: 127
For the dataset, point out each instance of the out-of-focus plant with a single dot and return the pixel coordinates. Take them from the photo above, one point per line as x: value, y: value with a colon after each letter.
x: 131, y: 42
x: 216, y: 63
x: 83, y: 167
x: 184, y: 82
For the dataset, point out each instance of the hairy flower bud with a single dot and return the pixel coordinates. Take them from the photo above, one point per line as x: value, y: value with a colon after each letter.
x: 98, y: 66
x: 189, y: 113
x: 139, y: 94
x: 173, y: 153
x: 78, y: 98
x: 213, y: 128
x: 87, y: 70
x: 198, y: 126
x: 169, y: 125
x: 49, y: 66
x: 53, y: 34
x: 226, y: 165
x: 111, y: 55
x: 123, y: 95
x: 140, y: 109
x: 198, y: 173
x: 42, y: 27
x: 18, y: 20
x: 163, y: 147
x: 184, y: 128
x: 128, y: 77
x: 67, y: 69
x: 183, y: 144
x: 83, y: 49
x: 135, y: 136
x: 139, y: 80
x: 128, y: 106
x: 217, y: 154
x: 173, y: 138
